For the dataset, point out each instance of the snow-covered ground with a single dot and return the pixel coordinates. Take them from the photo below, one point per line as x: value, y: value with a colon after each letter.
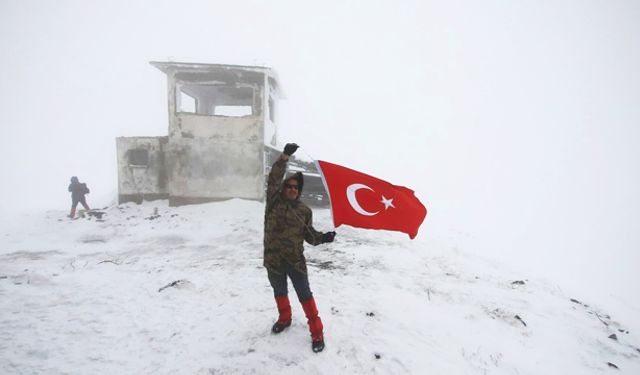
x: 91, y: 296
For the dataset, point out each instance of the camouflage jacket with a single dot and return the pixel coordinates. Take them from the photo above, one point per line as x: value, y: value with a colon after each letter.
x: 287, y: 224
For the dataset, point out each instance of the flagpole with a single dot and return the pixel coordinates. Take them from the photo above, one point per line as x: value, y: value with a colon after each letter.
x: 326, y: 188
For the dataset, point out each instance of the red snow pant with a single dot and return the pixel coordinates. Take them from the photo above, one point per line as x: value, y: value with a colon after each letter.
x: 300, y: 282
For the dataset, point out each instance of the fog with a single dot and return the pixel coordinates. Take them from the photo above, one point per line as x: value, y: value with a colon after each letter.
x: 516, y: 123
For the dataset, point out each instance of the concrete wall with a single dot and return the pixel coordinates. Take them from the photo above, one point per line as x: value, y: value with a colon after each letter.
x: 190, y: 126
x: 205, y: 157
x: 270, y: 114
x: 215, y: 157
x: 204, y: 170
x: 176, y: 123
x: 142, y: 182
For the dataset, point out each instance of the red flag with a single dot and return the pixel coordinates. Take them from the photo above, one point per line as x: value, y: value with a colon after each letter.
x: 364, y: 201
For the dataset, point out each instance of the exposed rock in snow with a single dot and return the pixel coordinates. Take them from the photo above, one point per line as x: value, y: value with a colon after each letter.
x: 178, y: 284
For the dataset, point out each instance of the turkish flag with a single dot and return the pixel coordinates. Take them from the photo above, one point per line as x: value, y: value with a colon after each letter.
x: 364, y: 201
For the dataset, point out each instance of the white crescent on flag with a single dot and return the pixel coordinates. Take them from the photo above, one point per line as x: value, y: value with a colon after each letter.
x: 351, y: 197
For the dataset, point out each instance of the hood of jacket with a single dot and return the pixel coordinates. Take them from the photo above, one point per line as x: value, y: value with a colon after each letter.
x: 299, y: 177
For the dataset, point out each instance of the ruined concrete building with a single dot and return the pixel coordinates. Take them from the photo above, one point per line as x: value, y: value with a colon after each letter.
x: 221, y: 140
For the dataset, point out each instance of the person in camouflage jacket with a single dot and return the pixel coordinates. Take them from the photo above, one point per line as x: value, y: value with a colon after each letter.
x: 287, y: 224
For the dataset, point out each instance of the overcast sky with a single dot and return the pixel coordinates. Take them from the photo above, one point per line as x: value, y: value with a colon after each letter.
x: 516, y: 122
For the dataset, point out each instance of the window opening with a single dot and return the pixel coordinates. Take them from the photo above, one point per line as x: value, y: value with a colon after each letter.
x: 215, y: 99
x: 233, y: 110
x: 139, y: 157
x: 272, y: 109
x: 187, y: 103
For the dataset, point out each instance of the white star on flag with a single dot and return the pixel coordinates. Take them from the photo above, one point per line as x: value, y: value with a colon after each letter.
x: 387, y: 202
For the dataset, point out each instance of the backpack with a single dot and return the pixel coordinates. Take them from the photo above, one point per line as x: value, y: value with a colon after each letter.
x: 85, y: 189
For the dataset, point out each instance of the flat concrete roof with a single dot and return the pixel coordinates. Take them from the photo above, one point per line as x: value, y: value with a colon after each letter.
x: 183, y: 67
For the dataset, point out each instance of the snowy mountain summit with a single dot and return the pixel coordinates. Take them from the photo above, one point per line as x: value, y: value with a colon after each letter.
x: 152, y: 289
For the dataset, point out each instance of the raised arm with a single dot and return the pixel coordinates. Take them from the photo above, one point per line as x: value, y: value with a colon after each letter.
x: 278, y: 169
x: 275, y: 175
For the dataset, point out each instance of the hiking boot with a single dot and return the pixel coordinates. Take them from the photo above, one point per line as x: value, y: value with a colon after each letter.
x: 315, y: 324
x: 279, y: 327
x: 284, y: 317
x: 317, y: 346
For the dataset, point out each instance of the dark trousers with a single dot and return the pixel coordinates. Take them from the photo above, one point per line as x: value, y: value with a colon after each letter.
x: 299, y: 280
x: 83, y: 201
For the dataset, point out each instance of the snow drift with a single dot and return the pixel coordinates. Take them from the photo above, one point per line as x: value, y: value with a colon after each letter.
x: 155, y: 289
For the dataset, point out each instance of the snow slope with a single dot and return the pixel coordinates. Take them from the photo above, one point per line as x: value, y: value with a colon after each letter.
x: 92, y: 296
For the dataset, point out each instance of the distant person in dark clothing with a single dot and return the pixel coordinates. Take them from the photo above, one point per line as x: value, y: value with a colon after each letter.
x: 78, y: 190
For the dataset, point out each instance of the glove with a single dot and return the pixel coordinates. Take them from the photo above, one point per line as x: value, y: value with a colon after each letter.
x: 290, y: 148
x: 328, y: 237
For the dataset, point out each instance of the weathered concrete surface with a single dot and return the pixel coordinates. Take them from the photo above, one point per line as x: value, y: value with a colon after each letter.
x: 218, y: 128
x: 206, y: 156
x: 202, y: 168
x: 137, y: 182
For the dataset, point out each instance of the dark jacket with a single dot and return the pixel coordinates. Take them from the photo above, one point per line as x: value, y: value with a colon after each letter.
x: 78, y: 190
x: 287, y: 224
